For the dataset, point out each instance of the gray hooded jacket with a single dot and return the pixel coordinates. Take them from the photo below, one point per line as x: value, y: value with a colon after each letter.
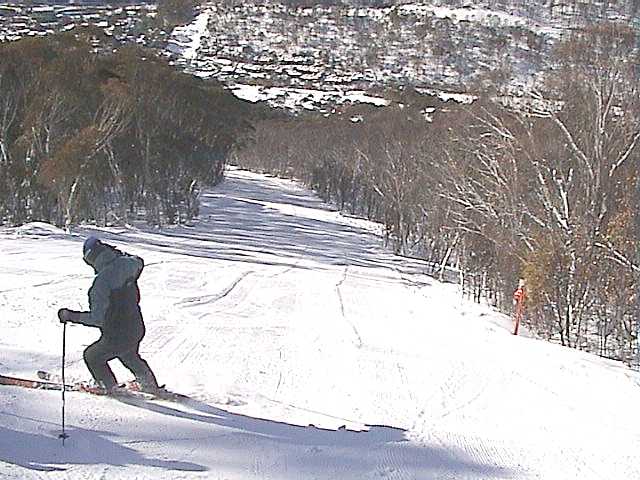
x: 114, y: 296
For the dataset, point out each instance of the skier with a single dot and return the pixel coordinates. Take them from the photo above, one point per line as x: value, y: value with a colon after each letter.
x: 113, y: 308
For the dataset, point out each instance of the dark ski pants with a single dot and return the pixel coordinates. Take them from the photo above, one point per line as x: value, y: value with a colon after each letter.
x: 99, y: 353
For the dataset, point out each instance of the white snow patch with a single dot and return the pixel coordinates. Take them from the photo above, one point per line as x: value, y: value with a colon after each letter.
x: 187, y: 39
x: 308, y: 98
x: 464, y: 98
x: 37, y: 229
x: 487, y: 17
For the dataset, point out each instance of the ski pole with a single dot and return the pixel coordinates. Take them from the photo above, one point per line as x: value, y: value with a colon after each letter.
x: 63, y: 435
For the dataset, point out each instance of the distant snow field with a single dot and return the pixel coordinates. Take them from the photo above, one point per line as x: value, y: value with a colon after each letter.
x: 309, y: 352
x: 306, y: 98
x: 186, y: 39
x: 207, y: 54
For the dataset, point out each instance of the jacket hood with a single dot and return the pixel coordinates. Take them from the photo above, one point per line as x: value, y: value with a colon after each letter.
x: 104, y: 258
x: 112, y: 259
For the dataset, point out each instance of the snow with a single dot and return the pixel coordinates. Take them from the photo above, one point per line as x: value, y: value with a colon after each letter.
x: 463, y: 98
x: 38, y: 229
x: 187, y: 39
x: 309, y: 351
x: 246, y: 54
x: 307, y: 98
x: 484, y: 16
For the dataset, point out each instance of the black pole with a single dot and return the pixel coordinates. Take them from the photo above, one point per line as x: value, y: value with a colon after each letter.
x: 63, y: 435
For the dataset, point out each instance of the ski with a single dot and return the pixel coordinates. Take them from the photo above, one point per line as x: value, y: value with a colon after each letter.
x: 83, y: 387
x: 54, y: 377
x: 129, y: 389
x: 48, y: 376
x: 73, y: 385
x: 35, y: 384
x: 126, y: 392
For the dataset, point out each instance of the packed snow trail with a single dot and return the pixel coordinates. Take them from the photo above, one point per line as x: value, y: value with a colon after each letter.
x: 310, y: 352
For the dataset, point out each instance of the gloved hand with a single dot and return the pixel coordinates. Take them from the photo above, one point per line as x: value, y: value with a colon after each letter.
x: 65, y: 315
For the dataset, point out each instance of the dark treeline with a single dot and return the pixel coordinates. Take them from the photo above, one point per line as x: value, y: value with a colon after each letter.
x: 538, y: 186
x: 104, y: 137
x: 176, y: 12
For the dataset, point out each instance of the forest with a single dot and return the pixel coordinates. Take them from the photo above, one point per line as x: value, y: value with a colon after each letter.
x: 540, y: 185
x: 107, y: 135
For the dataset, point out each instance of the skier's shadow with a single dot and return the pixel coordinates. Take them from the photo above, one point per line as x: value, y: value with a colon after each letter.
x: 280, y: 431
x: 44, y: 453
x: 361, y: 450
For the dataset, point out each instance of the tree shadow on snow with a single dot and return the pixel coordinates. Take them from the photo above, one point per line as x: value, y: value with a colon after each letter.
x: 45, y: 453
x: 252, y: 229
x: 361, y: 450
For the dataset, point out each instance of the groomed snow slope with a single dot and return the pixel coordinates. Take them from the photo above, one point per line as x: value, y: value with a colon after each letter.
x: 312, y: 353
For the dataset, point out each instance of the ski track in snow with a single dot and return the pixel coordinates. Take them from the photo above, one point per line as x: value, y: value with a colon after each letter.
x: 208, y: 299
x: 309, y: 352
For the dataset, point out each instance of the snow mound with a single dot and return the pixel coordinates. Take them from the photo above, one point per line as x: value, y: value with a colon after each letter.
x: 39, y: 229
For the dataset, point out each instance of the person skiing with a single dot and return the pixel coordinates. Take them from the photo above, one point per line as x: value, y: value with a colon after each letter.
x: 113, y: 308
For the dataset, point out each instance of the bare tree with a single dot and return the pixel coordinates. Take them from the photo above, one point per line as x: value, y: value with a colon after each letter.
x: 542, y: 178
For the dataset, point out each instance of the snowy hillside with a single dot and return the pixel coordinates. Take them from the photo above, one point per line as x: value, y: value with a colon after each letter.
x: 125, y: 23
x: 302, y: 56
x: 309, y: 351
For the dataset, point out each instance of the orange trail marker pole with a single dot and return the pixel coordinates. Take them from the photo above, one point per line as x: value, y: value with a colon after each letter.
x: 518, y: 301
